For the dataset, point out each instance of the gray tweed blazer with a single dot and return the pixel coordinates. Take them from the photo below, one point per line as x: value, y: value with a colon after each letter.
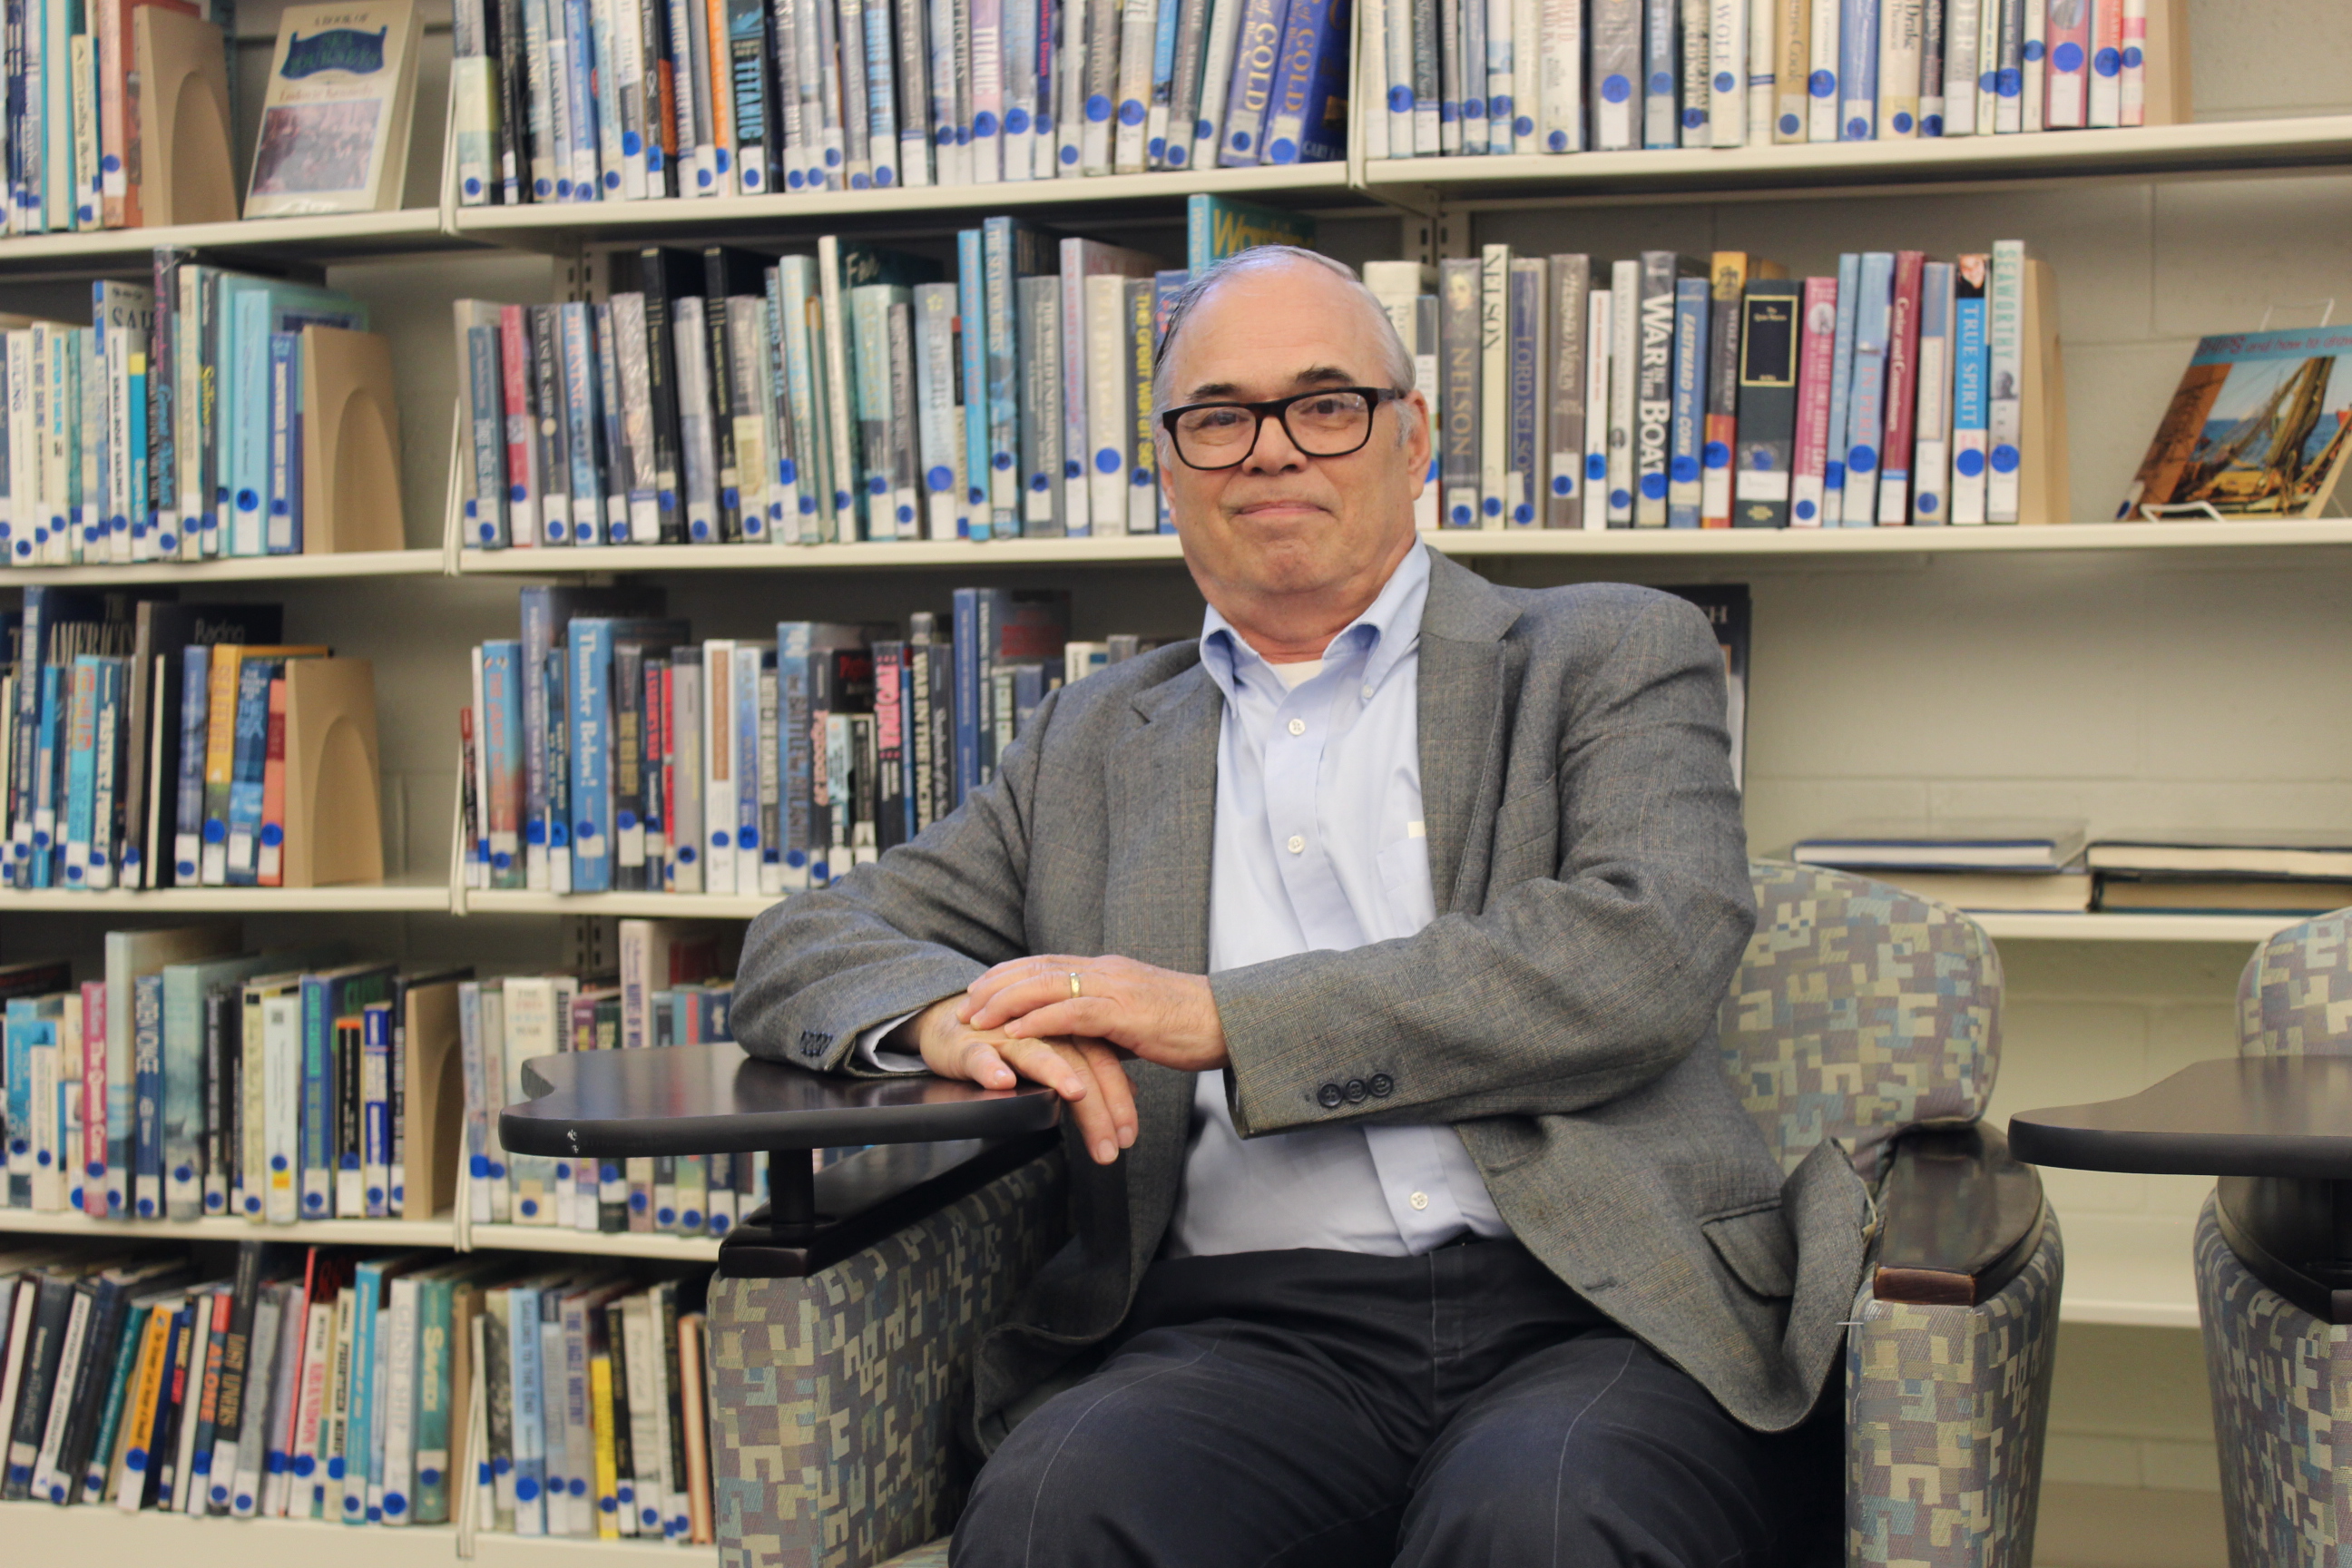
x: 1593, y: 901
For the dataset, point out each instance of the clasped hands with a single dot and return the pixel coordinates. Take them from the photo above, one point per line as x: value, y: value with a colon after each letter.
x: 1025, y: 1018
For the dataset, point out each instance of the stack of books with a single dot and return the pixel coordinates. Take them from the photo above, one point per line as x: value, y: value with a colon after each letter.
x: 608, y: 749
x: 1677, y: 390
x: 2253, y: 872
x: 155, y: 745
x: 397, y: 1389
x: 630, y: 100
x: 725, y: 396
x: 1987, y: 867
x: 668, y: 991
x: 173, y: 426
x: 1617, y: 75
x: 200, y: 1077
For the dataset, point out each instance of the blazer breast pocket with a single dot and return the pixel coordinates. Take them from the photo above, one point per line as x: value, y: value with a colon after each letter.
x: 1527, y: 832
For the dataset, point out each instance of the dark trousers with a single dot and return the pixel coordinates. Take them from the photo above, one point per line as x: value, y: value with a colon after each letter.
x: 1299, y: 1409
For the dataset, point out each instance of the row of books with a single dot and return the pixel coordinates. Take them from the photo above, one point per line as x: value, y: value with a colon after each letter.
x: 151, y: 744
x: 2058, y: 867
x: 668, y: 991
x: 197, y: 1076
x: 629, y: 100
x: 608, y: 750
x: 397, y: 1389
x: 1471, y: 77
x: 856, y: 394
x: 194, y: 417
x: 122, y: 112
x: 1683, y: 392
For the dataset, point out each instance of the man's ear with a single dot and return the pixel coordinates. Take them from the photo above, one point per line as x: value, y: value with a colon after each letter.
x: 1414, y: 410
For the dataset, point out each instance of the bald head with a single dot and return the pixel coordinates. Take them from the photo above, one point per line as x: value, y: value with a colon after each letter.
x: 1262, y: 277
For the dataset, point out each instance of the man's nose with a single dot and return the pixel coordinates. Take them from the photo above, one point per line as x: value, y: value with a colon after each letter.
x: 1274, y: 452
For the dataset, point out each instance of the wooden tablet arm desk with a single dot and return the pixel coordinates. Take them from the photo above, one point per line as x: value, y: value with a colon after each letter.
x: 2276, y: 1130
x: 934, y: 1139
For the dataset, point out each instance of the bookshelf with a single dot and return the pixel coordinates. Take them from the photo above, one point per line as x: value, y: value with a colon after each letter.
x: 2136, y: 673
x: 61, y: 1533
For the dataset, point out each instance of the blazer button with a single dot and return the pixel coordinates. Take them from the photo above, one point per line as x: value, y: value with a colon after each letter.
x: 1356, y: 1092
x: 1381, y: 1085
x: 1329, y: 1097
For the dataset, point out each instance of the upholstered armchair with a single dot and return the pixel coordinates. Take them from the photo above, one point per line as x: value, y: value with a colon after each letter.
x: 2281, y: 1369
x: 1860, y: 1014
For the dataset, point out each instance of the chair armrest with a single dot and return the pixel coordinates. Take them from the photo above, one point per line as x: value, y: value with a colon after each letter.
x: 1961, y: 1218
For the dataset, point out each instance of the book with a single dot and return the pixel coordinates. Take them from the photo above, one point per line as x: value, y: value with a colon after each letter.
x: 1982, y: 845
x: 2307, y: 854
x: 2196, y: 895
x: 2257, y: 427
x: 335, y: 120
x: 1766, y: 419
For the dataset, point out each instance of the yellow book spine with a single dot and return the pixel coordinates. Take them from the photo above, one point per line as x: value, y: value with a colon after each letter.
x: 132, y: 1459
x: 608, y: 1480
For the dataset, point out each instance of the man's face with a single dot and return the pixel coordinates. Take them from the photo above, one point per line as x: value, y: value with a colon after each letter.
x: 1281, y: 522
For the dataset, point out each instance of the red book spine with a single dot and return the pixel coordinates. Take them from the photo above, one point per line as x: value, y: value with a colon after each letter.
x: 661, y: 763
x: 93, y: 1099
x: 1816, y: 359
x: 1901, y: 390
x: 271, y: 862
x: 522, y: 433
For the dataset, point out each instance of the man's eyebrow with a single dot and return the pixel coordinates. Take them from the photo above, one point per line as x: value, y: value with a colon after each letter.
x: 1313, y: 376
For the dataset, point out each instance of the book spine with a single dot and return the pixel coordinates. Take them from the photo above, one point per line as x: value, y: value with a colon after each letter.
x: 147, y: 1065
x: 902, y: 425
x: 590, y: 677
x: 1143, y: 497
x: 1042, y: 490
x: 999, y: 273
x: 1460, y: 330
x: 1495, y: 407
x: 1107, y: 424
x: 1858, y: 71
x: 1653, y: 388
x: 2006, y: 348
x: 1686, y: 421
x: 1901, y: 24
x: 1833, y: 478
x: 1256, y: 50
x: 1616, y: 74
x: 1962, y: 21
x: 1931, y: 464
x: 1730, y: 282
x: 1902, y: 391
x: 750, y: 843
x: 642, y: 514
x: 1600, y: 336
x: 1970, y: 371
x: 938, y: 416
x: 2009, y: 79
x: 2131, y: 92
x: 1932, y: 44
x: 664, y: 431
x: 2106, y: 62
x: 250, y: 725
x: 1819, y: 322
x: 1696, y: 118
x: 1526, y: 390
x: 1288, y: 100
x: 2034, y: 52
x: 1866, y: 426
x: 1768, y: 330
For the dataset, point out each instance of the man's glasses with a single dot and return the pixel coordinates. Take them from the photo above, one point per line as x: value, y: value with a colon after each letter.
x: 1328, y: 424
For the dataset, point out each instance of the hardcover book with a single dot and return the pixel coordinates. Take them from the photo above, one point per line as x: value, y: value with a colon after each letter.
x: 335, y: 122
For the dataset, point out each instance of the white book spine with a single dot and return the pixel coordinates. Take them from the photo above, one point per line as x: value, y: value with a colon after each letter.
x: 987, y: 91
x: 1130, y: 142
x: 2005, y: 333
x: 281, y: 1047
x: 1501, y: 73
x: 1822, y: 85
x: 1560, y: 76
x: 396, y: 1476
x: 685, y: 872
x: 1526, y: 75
x: 1728, y: 102
x: 2108, y: 61
x: 1494, y: 383
x: 1392, y: 45
x: 1899, y: 41
x: 1624, y: 360
x: 1216, y: 76
x: 2032, y: 97
x: 1996, y: 110
x: 1931, y: 466
x: 1108, y: 374
x: 611, y: 160
x: 1600, y: 338
x: 836, y: 390
x: 939, y: 420
x: 1069, y: 88
x: 718, y: 744
x: 1962, y: 19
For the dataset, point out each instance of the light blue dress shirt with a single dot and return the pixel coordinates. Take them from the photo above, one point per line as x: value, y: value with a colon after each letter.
x: 1319, y: 847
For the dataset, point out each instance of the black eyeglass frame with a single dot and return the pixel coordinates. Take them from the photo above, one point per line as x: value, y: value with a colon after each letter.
x: 1278, y: 409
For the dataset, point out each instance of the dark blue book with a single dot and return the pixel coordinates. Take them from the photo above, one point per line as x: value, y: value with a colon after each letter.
x: 1685, y: 487
x: 251, y: 756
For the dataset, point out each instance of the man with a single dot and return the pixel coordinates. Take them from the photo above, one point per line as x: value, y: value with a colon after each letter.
x: 1375, y: 943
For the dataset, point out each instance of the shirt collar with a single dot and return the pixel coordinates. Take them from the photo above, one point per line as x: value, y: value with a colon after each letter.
x: 1388, y: 630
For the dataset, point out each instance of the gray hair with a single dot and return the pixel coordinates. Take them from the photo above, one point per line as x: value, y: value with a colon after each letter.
x: 1396, y: 362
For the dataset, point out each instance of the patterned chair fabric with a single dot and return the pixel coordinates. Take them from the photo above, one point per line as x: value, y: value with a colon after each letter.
x: 1859, y: 1010
x: 2294, y: 996
x: 2281, y: 1379
x: 835, y: 1399
x: 1945, y: 1408
x: 2282, y: 1383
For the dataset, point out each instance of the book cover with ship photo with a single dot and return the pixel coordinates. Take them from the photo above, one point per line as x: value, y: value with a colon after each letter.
x: 334, y: 126
x: 2259, y: 426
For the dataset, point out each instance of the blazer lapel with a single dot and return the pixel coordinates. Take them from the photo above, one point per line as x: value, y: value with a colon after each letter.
x: 1462, y: 724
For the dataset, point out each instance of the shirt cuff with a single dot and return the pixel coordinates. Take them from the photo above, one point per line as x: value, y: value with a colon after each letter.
x: 871, y: 1056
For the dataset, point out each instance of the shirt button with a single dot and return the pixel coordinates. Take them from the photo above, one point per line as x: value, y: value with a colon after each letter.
x: 1421, y: 1200
x: 1298, y: 726
x: 1368, y: 694
x: 1297, y: 844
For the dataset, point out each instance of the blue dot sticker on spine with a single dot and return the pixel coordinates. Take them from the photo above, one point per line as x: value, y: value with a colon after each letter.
x: 1177, y: 155
x: 1282, y: 150
x: 1685, y: 469
x: 1400, y: 100
x: 1716, y: 455
x: 1820, y: 84
x: 1725, y: 82
x: 2109, y: 63
x: 2033, y: 47
x: 1857, y: 129
x: 1969, y: 464
x: 2067, y: 56
x: 1491, y: 505
x: 2004, y: 459
x: 1523, y: 126
x: 1653, y: 487
x: 1558, y: 141
x: 1596, y: 468
x: 1693, y: 118
x: 1620, y: 499
x: 1562, y: 484
x: 1805, y: 511
x: 1861, y: 459
x: 1902, y: 123
x: 1461, y: 516
x: 1107, y: 461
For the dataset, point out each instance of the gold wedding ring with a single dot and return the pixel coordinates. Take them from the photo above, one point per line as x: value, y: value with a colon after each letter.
x: 1075, y: 990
